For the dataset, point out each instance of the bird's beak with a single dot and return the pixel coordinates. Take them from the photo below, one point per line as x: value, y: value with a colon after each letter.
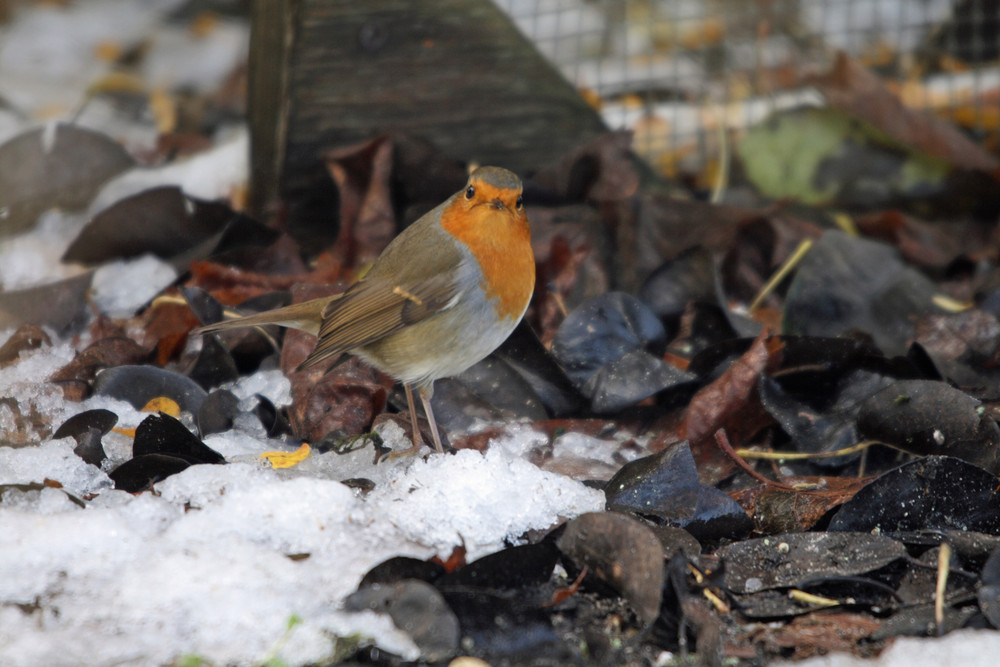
x: 496, y: 203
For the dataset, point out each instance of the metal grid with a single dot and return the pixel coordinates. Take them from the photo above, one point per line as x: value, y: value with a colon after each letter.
x: 678, y: 71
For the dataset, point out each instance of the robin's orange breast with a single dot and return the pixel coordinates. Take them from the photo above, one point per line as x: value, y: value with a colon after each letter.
x: 499, y: 238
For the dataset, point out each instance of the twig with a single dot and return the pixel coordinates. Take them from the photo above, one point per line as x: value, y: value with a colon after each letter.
x: 779, y: 275
x: 809, y: 598
x: 723, y: 442
x: 804, y: 456
x: 944, y: 561
x: 722, y: 176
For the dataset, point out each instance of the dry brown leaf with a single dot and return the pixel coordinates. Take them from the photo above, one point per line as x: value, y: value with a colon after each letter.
x: 853, y: 89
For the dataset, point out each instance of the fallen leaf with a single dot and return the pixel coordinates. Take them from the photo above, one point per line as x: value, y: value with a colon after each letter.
x: 850, y: 87
x: 367, y: 221
x: 776, y: 510
x: 287, y: 459
x: 731, y: 403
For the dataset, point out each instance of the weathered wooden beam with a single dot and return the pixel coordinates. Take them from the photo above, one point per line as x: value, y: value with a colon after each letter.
x: 457, y: 73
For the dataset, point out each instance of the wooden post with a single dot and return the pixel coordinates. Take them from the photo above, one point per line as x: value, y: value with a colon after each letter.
x: 457, y: 73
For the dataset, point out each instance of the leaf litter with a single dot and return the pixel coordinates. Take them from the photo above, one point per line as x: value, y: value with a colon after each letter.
x: 591, y: 491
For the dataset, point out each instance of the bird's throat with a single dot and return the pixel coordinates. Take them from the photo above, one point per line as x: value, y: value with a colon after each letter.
x: 501, y: 243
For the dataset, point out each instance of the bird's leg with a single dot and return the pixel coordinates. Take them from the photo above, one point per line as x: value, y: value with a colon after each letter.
x: 425, y: 397
x: 415, y: 425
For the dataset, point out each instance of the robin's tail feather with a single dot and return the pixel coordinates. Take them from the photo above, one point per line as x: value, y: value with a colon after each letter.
x: 306, y: 316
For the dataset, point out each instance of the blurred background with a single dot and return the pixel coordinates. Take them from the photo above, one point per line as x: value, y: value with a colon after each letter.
x: 676, y: 71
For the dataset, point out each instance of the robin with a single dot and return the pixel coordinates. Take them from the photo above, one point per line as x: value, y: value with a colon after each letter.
x: 444, y: 294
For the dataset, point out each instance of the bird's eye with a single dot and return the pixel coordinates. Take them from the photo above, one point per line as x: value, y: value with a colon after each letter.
x: 470, y: 192
x: 520, y: 202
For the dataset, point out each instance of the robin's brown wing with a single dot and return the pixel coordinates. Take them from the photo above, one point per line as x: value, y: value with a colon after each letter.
x: 373, y: 308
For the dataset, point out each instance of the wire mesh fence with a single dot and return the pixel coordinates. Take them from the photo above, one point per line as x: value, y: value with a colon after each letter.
x: 677, y: 72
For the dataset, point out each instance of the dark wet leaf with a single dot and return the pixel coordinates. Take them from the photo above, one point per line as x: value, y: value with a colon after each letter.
x: 666, y: 226
x: 217, y: 412
x: 926, y: 417
x: 140, y: 384
x: 744, y: 325
x: 240, y: 239
x: 141, y: 473
x: 77, y: 425
x: 688, y: 277
x: 664, y: 488
x: 919, y: 622
x: 502, y: 631
x: 60, y: 166
x: 416, y: 608
x: 399, y: 568
x: 821, y: 416
x: 934, y: 493
x: 810, y: 430
x: 792, y: 560
x: 162, y: 434
x: 674, y: 626
x: 918, y: 585
x: 498, y: 385
x: 361, y: 484
x: 27, y: 337
x: 205, y: 307
x: 248, y: 346
x: 676, y: 541
x: 90, y: 448
x: 630, y: 379
x: 55, y: 304
x: 834, y: 356
x: 271, y: 418
x: 621, y: 552
x: 775, y: 604
x: 704, y: 326
x: 602, y: 330
x: 271, y: 300
x: 525, y: 353
x: 164, y: 222
x: 962, y: 347
x: 159, y: 221
x: 716, y: 516
x: 847, y: 283
x: 253, y: 349
x: 87, y: 428
x: 968, y: 544
x: 214, y: 364
x: 457, y: 408
x: 989, y: 589
x: 511, y: 568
